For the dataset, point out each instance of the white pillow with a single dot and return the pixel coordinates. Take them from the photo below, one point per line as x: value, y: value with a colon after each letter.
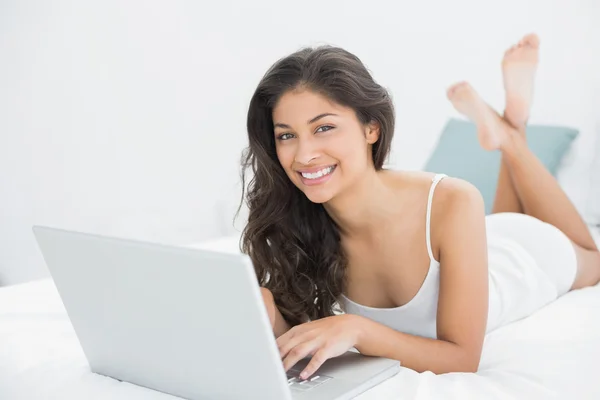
x: 593, y: 204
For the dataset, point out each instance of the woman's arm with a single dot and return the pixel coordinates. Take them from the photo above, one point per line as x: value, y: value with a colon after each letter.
x: 458, y: 227
x: 458, y: 231
x: 415, y: 352
x: 279, y: 324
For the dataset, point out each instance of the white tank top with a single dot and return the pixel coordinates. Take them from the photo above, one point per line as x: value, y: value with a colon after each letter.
x: 418, y: 316
x: 530, y: 264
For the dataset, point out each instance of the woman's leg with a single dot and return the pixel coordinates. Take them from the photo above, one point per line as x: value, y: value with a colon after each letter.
x: 543, y: 198
x: 518, y: 70
x: 506, y: 199
x: 538, y: 191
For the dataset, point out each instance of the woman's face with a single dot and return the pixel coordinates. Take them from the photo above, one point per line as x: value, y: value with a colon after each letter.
x: 321, y: 145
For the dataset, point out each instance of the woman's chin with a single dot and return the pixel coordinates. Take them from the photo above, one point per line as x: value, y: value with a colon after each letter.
x: 318, y: 196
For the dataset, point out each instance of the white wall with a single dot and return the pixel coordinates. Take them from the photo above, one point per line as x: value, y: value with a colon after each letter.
x: 128, y: 118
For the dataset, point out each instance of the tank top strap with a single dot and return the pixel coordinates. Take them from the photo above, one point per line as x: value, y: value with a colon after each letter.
x: 436, y: 179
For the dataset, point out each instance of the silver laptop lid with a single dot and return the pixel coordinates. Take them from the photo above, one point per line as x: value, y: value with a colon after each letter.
x: 186, y: 322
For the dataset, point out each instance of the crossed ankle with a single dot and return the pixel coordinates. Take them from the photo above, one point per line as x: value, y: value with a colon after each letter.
x: 520, y: 127
x: 513, y: 140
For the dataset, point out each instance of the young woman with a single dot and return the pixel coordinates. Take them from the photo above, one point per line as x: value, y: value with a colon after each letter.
x: 420, y: 277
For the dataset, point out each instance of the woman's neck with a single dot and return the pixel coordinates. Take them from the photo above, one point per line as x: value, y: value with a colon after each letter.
x: 364, y: 207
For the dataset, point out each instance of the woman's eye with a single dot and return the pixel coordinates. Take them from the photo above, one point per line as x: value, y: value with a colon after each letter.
x: 324, y: 128
x: 285, y: 136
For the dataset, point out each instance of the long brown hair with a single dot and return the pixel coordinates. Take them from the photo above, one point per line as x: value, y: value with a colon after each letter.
x: 292, y: 242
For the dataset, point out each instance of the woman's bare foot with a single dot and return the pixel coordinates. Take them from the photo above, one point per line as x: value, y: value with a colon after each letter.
x: 518, y: 68
x: 492, y: 130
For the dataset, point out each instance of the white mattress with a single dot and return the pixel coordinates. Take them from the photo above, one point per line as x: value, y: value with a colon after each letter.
x: 555, y: 353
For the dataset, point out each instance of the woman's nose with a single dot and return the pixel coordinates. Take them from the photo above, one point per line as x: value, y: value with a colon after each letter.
x: 306, y: 151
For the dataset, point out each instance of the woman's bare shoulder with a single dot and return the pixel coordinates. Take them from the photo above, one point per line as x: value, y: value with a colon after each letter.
x: 452, y: 192
x: 455, y: 203
x: 449, y: 187
x: 408, y: 180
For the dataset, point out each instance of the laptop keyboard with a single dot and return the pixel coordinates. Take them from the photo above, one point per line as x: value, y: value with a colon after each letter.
x: 296, y: 383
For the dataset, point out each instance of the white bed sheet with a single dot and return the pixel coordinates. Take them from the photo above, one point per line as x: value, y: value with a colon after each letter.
x: 555, y: 353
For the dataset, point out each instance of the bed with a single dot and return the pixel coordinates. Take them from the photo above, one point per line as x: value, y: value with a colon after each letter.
x: 554, y: 353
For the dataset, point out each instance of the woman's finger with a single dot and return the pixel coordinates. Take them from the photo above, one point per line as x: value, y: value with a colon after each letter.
x: 297, y: 330
x: 286, y: 337
x: 299, y: 352
x: 295, y: 341
x: 315, y: 363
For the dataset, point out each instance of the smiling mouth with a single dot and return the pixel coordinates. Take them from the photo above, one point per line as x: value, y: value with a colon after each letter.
x: 317, y: 174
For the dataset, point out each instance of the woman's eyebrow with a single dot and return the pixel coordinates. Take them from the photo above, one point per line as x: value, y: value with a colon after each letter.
x: 315, y: 119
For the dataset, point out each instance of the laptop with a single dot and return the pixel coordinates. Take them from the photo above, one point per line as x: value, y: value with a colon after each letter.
x: 187, y: 322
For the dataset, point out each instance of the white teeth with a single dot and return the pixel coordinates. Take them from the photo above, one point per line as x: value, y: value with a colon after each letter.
x: 318, y: 174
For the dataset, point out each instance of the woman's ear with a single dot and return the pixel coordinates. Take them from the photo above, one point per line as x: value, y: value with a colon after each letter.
x: 372, y: 132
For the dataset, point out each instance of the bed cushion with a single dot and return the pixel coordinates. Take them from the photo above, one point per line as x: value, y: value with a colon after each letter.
x: 458, y: 154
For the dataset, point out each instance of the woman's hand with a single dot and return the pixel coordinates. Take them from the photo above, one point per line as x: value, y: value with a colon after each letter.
x: 323, y: 339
